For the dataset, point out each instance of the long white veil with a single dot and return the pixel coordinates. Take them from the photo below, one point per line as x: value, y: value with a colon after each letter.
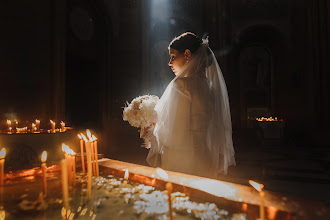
x: 219, y: 133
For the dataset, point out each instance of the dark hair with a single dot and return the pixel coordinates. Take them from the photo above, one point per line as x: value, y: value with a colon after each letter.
x: 185, y: 41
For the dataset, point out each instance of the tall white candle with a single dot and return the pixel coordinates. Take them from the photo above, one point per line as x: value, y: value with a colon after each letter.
x: 259, y: 188
x: 2, y: 166
x: 169, y: 188
x: 89, y: 167
x: 43, y: 168
x: 65, y: 187
x: 82, y: 153
x: 96, y: 156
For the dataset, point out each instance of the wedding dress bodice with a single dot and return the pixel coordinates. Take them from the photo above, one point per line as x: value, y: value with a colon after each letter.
x: 185, y: 148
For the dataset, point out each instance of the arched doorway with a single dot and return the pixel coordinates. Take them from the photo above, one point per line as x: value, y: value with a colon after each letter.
x: 260, y: 58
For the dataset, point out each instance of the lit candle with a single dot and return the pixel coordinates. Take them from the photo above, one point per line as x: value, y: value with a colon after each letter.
x: 169, y: 188
x: 126, y: 177
x: 66, y: 149
x: 34, y: 129
x: 43, y: 168
x: 65, y: 187
x: 53, y: 126
x: 62, y: 126
x: 9, y: 125
x: 93, y: 156
x: 89, y: 167
x: 73, y: 157
x: 82, y: 153
x: 96, y: 157
x: 38, y: 125
x: 2, y: 165
x: 259, y: 188
x: 89, y: 135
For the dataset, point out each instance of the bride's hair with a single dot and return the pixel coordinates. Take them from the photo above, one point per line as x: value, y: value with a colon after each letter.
x: 185, y: 41
x: 192, y: 42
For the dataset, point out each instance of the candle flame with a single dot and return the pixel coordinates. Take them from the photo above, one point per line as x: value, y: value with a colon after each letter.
x: 126, y: 174
x: 37, y: 121
x: 52, y: 122
x: 256, y: 185
x: 33, y: 125
x: 161, y: 173
x: 2, y: 214
x: 44, y: 156
x: 84, y: 137
x: 79, y: 136
x: 89, y: 135
x: 67, y: 150
x: 8, y: 122
x: 2, y: 153
x: 94, y: 138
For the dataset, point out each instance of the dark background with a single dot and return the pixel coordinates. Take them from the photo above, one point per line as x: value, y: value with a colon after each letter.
x: 81, y: 60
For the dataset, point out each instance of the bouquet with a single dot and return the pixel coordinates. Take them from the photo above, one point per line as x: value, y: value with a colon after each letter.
x: 140, y: 113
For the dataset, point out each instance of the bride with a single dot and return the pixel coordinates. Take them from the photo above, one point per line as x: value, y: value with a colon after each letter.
x: 193, y: 133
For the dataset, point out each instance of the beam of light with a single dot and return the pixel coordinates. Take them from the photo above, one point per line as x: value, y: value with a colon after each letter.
x: 215, y: 187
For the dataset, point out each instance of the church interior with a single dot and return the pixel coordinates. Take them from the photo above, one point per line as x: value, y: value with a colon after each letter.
x: 81, y: 61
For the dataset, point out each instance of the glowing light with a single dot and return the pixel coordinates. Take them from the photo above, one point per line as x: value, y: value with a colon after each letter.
x: 63, y: 212
x: 161, y: 173
x: 79, y: 136
x: 271, y: 212
x: 44, y: 156
x: 94, y: 138
x: 268, y: 119
x: 2, y: 215
x: 126, y: 174
x: 2, y: 153
x: 9, y: 122
x: 256, y: 185
x: 216, y: 188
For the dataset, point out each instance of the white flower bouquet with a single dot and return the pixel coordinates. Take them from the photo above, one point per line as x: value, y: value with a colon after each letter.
x: 140, y: 113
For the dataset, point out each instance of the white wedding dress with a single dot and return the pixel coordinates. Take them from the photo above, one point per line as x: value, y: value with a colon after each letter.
x: 193, y: 133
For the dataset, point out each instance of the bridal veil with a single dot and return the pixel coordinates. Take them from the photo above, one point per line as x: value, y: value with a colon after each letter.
x: 219, y: 132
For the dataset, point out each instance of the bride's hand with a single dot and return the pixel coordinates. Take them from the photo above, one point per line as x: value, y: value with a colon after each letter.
x: 146, y: 130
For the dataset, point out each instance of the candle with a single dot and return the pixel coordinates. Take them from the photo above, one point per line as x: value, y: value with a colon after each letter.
x: 2, y: 166
x: 259, y: 188
x: 93, y: 156
x: 169, y: 189
x: 73, y: 156
x: 65, y: 188
x: 62, y: 126
x: 82, y: 153
x: 125, y: 177
x: 53, y: 126
x: 38, y: 125
x: 66, y: 149
x: 89, y: 167
x: 97, y: 157
x: 34, y: 129
x: 9, y: 125
x: 43, y: 168
x: 89, y: 135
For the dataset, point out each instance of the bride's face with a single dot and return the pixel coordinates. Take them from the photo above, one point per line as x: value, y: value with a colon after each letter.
x: 177, y: 60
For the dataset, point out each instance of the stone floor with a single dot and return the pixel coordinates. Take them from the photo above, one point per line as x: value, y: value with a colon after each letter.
x: 286, y: 167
